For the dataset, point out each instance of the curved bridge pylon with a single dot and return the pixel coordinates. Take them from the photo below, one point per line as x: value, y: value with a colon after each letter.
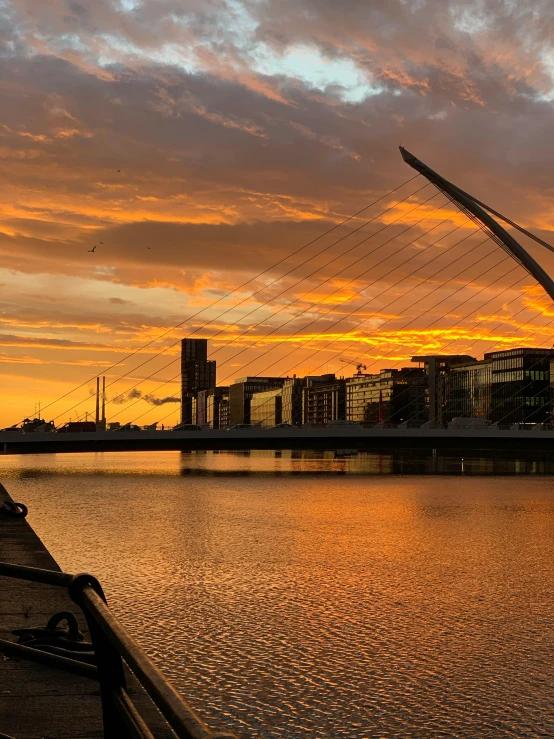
x: 480, y: 214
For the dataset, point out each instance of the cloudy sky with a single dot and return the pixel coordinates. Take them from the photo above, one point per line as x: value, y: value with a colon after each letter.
x: 201, y: 145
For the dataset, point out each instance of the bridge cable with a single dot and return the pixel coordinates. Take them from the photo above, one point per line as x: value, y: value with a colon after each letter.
x: 327, y: 296
x: 158, y: 354
x: 371, y: 300
x: 240, y: 287
x: 491, y: 330
x: 442, y: 300
x: 282, y: 293
x: 318, y: 302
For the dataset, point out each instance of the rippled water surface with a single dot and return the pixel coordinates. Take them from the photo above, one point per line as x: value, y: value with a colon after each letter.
x: 287, y: 598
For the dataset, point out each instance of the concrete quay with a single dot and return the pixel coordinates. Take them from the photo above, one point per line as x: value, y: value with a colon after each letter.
x: 38, y: 701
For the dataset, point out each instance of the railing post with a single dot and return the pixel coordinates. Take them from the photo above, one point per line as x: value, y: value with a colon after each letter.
x: 108, y: 660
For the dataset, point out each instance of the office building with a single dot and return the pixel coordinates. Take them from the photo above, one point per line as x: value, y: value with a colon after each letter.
x: 216, y: 400
x: 241, y: 392
x: 325, y: 401
x: 520, y: 385
x: 505, y: 387
x: 224, y: 411
x: 311, y: 381
x: 202, y: 407
x: 468, y: 388
x: 197, y: 373
x: 437, y: 368
x: 266, y: 408
x: 292, y: 393
x: 390, y: 396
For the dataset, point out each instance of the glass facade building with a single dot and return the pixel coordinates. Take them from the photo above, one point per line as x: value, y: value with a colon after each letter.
x: 468, y: 389
x: 241, y: 392
x: 520, y: 387
x: 291, y: 411
x: 266, y: 408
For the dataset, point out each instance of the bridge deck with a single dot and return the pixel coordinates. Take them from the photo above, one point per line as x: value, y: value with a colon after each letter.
x: 329, y: 438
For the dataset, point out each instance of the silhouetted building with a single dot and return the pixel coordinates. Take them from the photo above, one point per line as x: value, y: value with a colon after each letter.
x: 224, y: 410
x: 241, y: 392
x: 37, y: 424
x: 506, y: 387
x: 520, y: 386
x: 391, y: 396
x: 325, y: 402
x: 215, y: 401
x: 202, y: 407
x: 197, y: 373
x: 468, y: 388
x: 313, y: 381
x: 436, y: 368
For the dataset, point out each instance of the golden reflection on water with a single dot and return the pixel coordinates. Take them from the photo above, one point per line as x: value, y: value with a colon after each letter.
x: 299, y: 595
x: 346, y: 462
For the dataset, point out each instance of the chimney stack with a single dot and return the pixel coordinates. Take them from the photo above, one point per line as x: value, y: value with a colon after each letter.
x: 97, y: 400
x: 104, y: 401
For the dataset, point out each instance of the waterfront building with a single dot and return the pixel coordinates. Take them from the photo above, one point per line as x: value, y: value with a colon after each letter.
x: 468, y: 388
x: 520, y: 385
x: 436, y: 368
x: 292, y: 394
x: 266, y: 408
x: 241, y: 392
x: 325, y: 401
x: 223, y: 412
x: 197, y: 373
x: 507, y: 387
x: 215, y: 399
x: 390, y: 396
x: 313, y: 381
x: 202, y: 407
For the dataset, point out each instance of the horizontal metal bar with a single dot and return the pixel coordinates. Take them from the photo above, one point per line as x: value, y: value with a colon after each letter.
x: 35, y: 574
x: 180, y: 716
x: 10, y: 649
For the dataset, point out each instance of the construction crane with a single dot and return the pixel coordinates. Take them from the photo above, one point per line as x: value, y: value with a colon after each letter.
x: 359, y: 366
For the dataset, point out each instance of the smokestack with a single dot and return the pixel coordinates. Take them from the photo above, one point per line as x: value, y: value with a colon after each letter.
x: 97, y: 400
x: 104, y: 400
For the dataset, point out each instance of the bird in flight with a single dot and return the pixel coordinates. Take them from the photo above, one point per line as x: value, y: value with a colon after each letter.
x: 148, y: 247
x: 93, y: 249
x: 119, y: 170
x: 100, y: 242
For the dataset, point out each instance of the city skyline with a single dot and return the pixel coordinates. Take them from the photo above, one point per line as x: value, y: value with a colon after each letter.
x: 191, y: 175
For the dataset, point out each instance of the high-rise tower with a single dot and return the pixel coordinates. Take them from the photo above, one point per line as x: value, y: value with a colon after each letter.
x: 197, y: 373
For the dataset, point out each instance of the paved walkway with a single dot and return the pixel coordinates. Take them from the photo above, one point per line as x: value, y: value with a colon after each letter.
x: 36, y: 701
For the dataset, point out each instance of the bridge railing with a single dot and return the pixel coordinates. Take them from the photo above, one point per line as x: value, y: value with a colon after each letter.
x: 113, y: 648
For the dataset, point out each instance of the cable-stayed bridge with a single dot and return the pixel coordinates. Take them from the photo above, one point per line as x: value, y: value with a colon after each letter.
x: 353, y: 439
x: 425, y: 266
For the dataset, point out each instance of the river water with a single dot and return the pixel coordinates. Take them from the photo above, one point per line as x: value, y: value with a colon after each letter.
x: 308, y: 596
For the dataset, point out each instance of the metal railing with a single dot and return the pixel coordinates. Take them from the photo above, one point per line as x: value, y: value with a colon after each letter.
x: 113, y: 648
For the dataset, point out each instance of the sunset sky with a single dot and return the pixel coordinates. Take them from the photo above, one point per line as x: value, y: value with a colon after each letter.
x: 242, y: 131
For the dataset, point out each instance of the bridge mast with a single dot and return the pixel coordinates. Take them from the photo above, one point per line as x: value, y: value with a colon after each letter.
x: 478, y: 210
